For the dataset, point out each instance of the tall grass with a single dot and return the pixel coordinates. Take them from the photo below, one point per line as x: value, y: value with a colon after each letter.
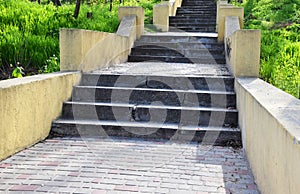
x: 29, y: 32
x: 279, y: 21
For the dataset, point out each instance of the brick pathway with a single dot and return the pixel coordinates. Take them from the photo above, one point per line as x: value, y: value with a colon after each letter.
x: 72, y: 165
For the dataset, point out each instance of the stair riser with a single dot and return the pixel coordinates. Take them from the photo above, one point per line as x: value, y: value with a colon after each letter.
x: 209, y: 60
x: 221, y: 138
x: 197, y: 7
x: 157, y: 115
x: 195, y: 24
x: 199, y: 3
x: 187, y: 29
x: 207, y: 16
x: 179, y: 46
x: 157, y: 52
x: 196, y: 16
x: 162, y: 82
x: 189, y: 23
x: 198, y: 27
x: 206, y: 8
x: 176, y: 39
x: 149, y: 96
x: 190, y: 11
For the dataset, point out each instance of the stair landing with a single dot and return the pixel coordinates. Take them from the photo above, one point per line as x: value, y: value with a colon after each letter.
x: 166, y: 69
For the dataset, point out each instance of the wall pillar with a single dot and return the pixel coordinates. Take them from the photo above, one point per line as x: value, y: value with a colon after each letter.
x: 161, y: 16
x: 244, y: 52
x: 139, y: 12
x: 227, y: 10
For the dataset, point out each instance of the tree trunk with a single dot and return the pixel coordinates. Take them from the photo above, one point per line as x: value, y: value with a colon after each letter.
x: 110, y: 5
x: 77, y: 9
x: 56, y: 2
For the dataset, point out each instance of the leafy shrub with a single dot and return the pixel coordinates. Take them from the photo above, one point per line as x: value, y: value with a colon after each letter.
x: 279, y: 21
x: 29, y: 32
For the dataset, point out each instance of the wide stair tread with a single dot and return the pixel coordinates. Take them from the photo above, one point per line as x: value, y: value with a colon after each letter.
x: 149, y: 113
x: 221, y: 136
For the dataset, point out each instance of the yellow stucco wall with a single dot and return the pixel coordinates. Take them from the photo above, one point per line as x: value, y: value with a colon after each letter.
x: 28, y: 106
x: 227, y: 10
x: 162, y: 11
x: 242, y: 48
x: 270, y: 122
x: 245, y: 53
x: 174, y: 4
x: 87, y: 50
x: 161, y: 16
x: 74, y: 46
x: 140, y: 15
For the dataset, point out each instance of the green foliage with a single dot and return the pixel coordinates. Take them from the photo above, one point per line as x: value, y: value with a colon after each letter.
x: 146, y: 4
x: 18, y: 72
x: 52, y: 65
x: 279, y: 21
x: 29, y: 32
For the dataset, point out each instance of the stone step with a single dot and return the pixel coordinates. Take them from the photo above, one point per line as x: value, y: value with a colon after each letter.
x: 198, y: 15
x: 201, y: 116
x: 199, y: 5
x: 174, y: 19
x: 175, y: 59
x: 177, y: 39
x: 193, y: 17
x: 213, y: 83
x: 180, y: 45
x: 171, y: 97
x: 110, y: 129
x: 195, y: 11
x: 209, y: 7
x: 190, y: 3
x: 190, y: 23
x: 217, y: 53
x: 191, y: 29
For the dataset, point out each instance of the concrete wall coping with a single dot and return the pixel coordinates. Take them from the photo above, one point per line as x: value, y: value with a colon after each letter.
x: 126, y: 25
x: 131, y: 7
x: 282, y: 106
x: 25, y: 80
x: 164, y: 3
x: 229, y: 6
x: 76, y: 29
x: 232, y: 24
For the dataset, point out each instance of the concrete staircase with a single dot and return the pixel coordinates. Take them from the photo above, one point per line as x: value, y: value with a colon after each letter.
x: 175, y: 86
x: 178, y: 49
x: 184, y: 108
x: 195, y: 16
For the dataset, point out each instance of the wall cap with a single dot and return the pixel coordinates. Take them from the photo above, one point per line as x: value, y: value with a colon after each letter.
x: 40, y: 77
x: 283, y: 107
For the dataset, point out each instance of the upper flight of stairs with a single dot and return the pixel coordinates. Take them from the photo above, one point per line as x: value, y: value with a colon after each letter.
x: 174, y: 87
x: 178, y: 49
x: 194, y: 16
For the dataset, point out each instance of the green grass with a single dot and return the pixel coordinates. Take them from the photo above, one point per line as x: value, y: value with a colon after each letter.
x: 29, y: 32
x: 279, y: 21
